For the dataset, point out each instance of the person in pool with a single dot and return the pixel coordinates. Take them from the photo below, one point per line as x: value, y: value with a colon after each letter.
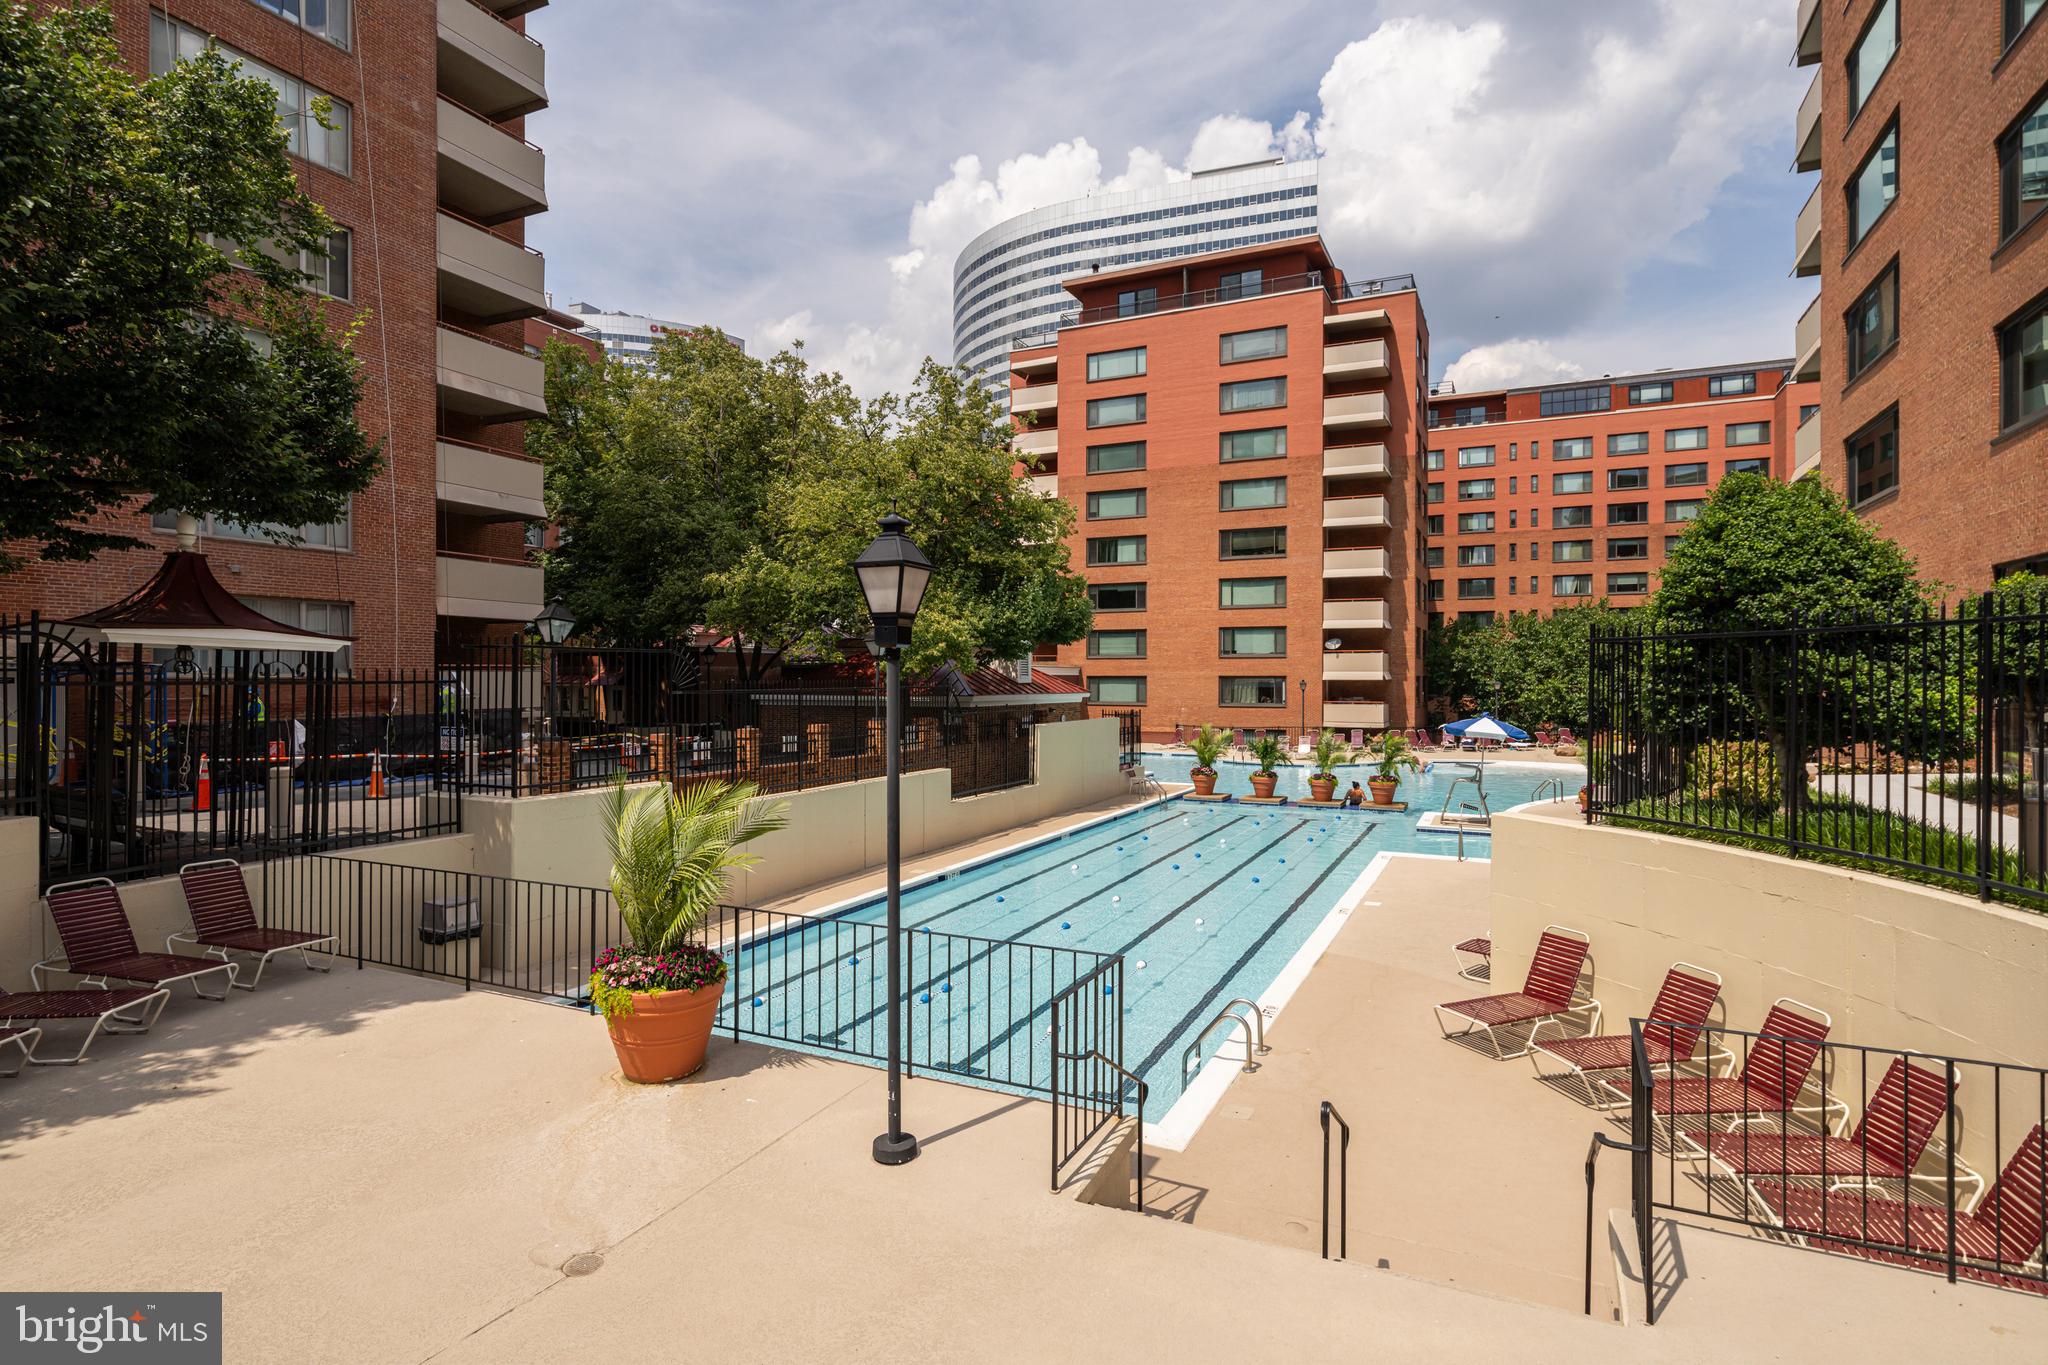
x: 1356, y: 796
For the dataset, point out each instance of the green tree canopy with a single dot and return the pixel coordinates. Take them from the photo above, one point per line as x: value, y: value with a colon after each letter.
x: 1527, y: 668
x: 125, y: 331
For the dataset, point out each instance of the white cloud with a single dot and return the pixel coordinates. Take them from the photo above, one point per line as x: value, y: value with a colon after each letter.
x: 1510, y: 364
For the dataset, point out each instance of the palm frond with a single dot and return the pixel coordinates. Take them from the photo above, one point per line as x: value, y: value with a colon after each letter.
x: 672, y: 855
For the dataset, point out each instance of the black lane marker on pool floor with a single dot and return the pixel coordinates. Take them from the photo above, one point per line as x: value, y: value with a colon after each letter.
x: 1196, y: 1011
x: 1072, y: 856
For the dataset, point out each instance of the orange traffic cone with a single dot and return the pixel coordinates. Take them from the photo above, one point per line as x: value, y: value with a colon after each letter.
x: 204, y: 799
x: 377, y: 792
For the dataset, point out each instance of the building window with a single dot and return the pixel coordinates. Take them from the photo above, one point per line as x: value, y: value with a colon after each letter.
x: 1472, y: 522
x: 1571, y: 585
x: 1116, y: 412
x: 1132, y: 302
x: 1253, y: 642
x: 1267, y: 443
x: 1241, y: 284
x: 1564, y: 402
x: 1571, y: 551
x: 1572, y: 448
x: 1240, y: 495
x: 1116, y: 644
x: 1874, y: 322
x: 1684, y: 510
x: 1514, y: 513
x: 1685, y: 475
x: 1436, y: 590
x: 1117, y: 596
x: 1475, y: 457
x: 1686, y: 438
x: 1116, y: 550
x: 1874, y: 186
x: 1627, y: 480
x: 1116, y: 691
x: 1671, y: 543
x: 328, y: 618
x: 1756, y: 466
x: 1747, y: 434
x: 1125, y: 364
x: 1512, y: 481
x: 1872, y: 54
x: 1433, y: 557
x: 1564, y: 517
x: 2023, y: 364
x: 1471, y: 415
x: 1472, y: 490
x: 1432, y: 493
x: 1475, y: 587
x: 1628, y: 582
x: 2023, y: 169
x: 1484, y: 618
x: 1264, y: 344
x: 1117, y: 459
x: 1259, y: 542
x: 1658, y: 391
x: 1125, y: 502
x: 1238, y: 593
x: 1251, y: 691
x: 1635, y: 548
x: 1470, y: 556
x: 338, y: 535
x: 1874, y: 460
x: 2018, y: 14
x: 322, y: 18
x: 1248, y: 395
x: 1433, y: 525
x: 1627, y: 513
x: 1629, y: 443
x: 1731, y: 385
x: 1433, y: 460
x: 171, y: 42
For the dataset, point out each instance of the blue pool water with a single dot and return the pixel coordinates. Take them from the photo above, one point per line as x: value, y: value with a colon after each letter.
x: 1205, y: 902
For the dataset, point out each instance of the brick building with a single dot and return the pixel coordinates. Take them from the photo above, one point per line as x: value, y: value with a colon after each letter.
x: 1240, y: 434
x: 1928, y: 125
x: 428, y: 177
x: 1561, y: 494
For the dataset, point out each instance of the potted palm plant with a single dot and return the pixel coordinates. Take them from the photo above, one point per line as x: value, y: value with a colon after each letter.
x: 671, y: 856
x: 1208, y: 744
x: 1330, y: 753
x: 1392, y: 755
x: 1269, y: 753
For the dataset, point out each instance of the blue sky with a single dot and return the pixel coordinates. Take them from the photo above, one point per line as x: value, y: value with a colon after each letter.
x: 1581, y: 186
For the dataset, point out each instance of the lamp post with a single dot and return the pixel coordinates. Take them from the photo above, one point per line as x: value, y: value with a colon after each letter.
x: 893, y: 573
x: 553, y: 624
x: 1303, y: 734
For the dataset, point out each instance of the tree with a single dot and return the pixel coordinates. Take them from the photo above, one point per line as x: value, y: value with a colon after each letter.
x: 1527, y: 668
x: 125, y: 330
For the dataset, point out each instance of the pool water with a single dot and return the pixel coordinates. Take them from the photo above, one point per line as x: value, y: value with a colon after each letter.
x: 1206, y: 902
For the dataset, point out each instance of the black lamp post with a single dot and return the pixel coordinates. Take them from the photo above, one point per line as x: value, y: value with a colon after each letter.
x: 893, y: 573
x: 553, y: 624
x: 1304, y: 712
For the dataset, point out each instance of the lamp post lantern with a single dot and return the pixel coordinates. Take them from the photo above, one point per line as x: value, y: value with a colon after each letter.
x: 893, y: 574
x: 553, y: 623
x: 1304, y: 712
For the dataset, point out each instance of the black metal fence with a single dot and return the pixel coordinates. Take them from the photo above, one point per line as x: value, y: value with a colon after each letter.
x: 1916, y: 746
x: 1090, y: 1088
x: 1907, y: 1158
x: 1130, y: 736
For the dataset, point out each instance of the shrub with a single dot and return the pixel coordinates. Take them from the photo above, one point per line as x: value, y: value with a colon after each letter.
x: 1738, y: 773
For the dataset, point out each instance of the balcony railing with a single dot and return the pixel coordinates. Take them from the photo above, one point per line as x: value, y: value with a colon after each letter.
x: 1195, y: 298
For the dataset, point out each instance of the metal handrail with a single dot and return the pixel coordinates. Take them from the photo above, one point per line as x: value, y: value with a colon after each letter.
x: 1096, y: 1055
x: 1592, y: 1156
x: 1444, y: 815
x: 1553, y: 785
x: 1254, y: 1031
x: 1326, y: 1113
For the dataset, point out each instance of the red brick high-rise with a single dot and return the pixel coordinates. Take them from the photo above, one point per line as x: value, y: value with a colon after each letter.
x: 428, y: 174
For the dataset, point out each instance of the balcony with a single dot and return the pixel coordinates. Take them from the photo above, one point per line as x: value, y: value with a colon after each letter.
x: 1807, y: 50
x: 1355, y: 410
x: 1356, y: 359
x: 486, y: 589
x: 1806, y: 343
x: 1365, y: 511
x: 1357, y: 461
x: 1806, y: 132
x: 1806, y: 237
x: 1806, y: 447
x: 1367, y: 562
x: 1035, y: 364
x: 1036, y: 398
x: 486, y: 174
x: 486, y: 275
x: 486, y: 64
x: 487, y: 483
x: 1045, y: 485
x: 487, y: 379
x: 512, y: 9
x: 1037, y: 442
x: 1363, y: 715
x: 1355, y: 613
x: 1363, y: 320
x: 1355, y: 665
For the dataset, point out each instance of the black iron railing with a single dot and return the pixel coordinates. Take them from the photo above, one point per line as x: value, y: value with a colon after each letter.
x: 1130, y: 736
x: 1915, y: 746
x: 1326, y: 1115
x: 1090, y: 1088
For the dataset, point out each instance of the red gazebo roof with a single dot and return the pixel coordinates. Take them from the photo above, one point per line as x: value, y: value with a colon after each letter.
x: 184, y: 604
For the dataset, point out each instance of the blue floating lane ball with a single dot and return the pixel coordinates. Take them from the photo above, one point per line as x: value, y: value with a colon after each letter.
x: 1065, y: 924
x: 855, y: 962
x: 1255, y: 881
x: 757, y: 1002
x: 925, y: 998
x: 946, y: 988
x: 1119, y: 848
x: 999, y: 900
x: 1109, y: 990
x: 1176, y: 867
x: 925, y: 930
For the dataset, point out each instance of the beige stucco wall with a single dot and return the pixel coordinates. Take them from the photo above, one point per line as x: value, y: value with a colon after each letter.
x: 1897, y: 965
x: 21, y: 916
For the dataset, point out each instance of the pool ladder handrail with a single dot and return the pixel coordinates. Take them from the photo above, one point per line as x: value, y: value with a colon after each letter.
x: 1254, y: 1034
x: 1324, y: 1115
x: 1553, y: 785
x: 1144, y: 1092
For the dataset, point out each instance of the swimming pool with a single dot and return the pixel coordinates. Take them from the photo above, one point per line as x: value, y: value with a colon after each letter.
x: 1205, y: 902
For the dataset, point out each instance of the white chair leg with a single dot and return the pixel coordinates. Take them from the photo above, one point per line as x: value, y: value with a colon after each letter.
x: 23, y: 1042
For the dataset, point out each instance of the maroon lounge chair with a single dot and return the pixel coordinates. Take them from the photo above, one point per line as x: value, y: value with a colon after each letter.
x: 2001, y: 1235
x: 1479, y: 949
x: 1896, y: 1127
x: 1672, y: 1033
x: 224, y: 922
x: 122, y: 1009
x: 1773, y: 1077
x: 24, y: 1041
x: 99, y: 944
x: 1548, y: 993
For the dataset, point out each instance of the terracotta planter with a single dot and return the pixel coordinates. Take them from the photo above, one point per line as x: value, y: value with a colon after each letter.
x: 1322, y: 788
x: 1582, y: 800
x: 1263, y: 783
x: 1204, y: 780
x: 665, y: 1036
x: 1383, y: 789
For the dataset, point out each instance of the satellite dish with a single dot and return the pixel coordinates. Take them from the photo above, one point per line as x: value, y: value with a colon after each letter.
x: 1333, y: 643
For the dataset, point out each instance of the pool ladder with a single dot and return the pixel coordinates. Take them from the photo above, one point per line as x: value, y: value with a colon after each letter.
x: 1254, y: 1034
x: 1553, y: 785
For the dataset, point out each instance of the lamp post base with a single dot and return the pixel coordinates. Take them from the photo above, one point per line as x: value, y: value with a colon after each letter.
x: 899, y: 1150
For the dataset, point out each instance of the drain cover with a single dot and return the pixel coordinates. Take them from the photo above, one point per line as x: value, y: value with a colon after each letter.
x: 583, y: 1263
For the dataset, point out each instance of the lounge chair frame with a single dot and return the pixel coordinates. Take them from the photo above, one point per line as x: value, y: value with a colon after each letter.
x: 136, y: 1013
x: 1832, y: 1113
x: 196, y: 938
x: 24, y: 1041
x: 1663, y: 1009
x: 1551, y: 943
x: 61, y: 962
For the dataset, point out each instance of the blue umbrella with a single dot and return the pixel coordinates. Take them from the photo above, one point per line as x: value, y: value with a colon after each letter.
x: 1483, y: 726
